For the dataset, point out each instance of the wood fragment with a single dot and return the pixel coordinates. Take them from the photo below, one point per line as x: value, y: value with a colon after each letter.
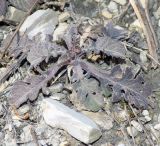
x: 143, y: 16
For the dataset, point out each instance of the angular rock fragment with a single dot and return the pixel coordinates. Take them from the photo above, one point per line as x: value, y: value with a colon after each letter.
x: 14, y: 14
x: 79, y: 126
x: 42, y: 21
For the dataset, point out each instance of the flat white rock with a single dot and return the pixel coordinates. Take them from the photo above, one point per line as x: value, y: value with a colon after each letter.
x: 42, y: 21
x: 76, y: 124
x: 137, y: 125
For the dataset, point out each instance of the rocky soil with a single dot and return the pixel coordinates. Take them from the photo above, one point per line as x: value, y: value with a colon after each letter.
x: 78, y: 114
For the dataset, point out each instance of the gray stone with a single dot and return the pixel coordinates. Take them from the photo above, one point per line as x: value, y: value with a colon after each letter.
x: 79, y: 126
x: 27, y: 136
x: 101, y: 118
x: 113, y: 7
x: 15, y: 14
x: 157, y: 13
x: 1, y: 110
x: 56, y: 88
x: 58, y: 96
x: 23, y: 109
x: 42, y: 21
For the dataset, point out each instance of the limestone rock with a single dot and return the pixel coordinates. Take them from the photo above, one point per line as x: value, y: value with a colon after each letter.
x: 42, y: 21
x: 59, y: 31
x: 79, y: 126
x: 64, y: 16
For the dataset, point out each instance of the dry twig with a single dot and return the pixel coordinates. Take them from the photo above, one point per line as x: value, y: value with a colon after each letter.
x: 143, y: 16
x: 18, y: 27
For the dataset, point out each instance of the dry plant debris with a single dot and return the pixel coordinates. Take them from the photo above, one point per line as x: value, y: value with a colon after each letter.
x: 103, y: 66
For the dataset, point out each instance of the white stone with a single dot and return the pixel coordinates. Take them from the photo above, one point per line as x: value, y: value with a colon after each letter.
x: 157, y: 126
x: 159, y: 23
x: 137, y: 125
x: 148, y: 118
x: 59, y: 31
x: 157, y: 13
x: 106, y: 14
x: 132, y: 131
x: 145, y: 113
x: 135, y: 24
x: 63, y: 16
x: 121, y: 2
x: 79, y: 126
x: 15, y: 14
x: 42, y: 21
x: 113, y: 7
x: 121, y: 143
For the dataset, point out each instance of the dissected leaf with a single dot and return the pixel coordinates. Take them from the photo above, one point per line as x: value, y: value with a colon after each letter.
x: 87, y: 95
x: 19, y: 44
x: 43, y: 50
x: 115, y: 32
x: 29, y: 89
x: 3, y: 7
x: 131, y: 89
x: 22, y: 91
x: 110, y: 47
x: 71, y: 37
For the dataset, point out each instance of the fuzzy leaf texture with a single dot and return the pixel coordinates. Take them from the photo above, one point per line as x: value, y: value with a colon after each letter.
x: 22, y: 91
x: 111, y: 47
x: 29, y: 89
x: 124, y: 85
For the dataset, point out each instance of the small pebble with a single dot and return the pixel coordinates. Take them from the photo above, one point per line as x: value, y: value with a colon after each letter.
x: 106, y: 14
x: 132, y: 131
x: 113, y: 7
x: 145, y: 113
x: 137, y: 125
x: 63, y: 17
x: 157, y: 126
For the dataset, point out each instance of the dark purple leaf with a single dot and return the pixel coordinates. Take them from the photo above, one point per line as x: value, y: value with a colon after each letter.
x: 131, y: 89
x: 110, y: 47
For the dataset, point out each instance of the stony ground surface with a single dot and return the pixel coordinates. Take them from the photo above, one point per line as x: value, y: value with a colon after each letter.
x: 104, y: 124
